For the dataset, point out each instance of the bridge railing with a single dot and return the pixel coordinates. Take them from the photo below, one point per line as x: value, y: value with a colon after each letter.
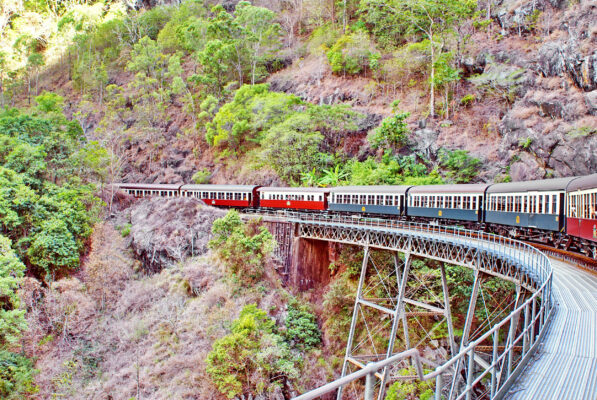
x: 531, y: 260
x: 496, y: 372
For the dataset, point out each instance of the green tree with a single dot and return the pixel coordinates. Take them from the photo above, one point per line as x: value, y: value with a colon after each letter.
x: 34, y: 63
x: 54, y: 247
x: 261, y: 35
x: 49, y: 102
x: 291, y: 147
x: 12, y: 316
x: 393, y: 131
x: 435, y: 19
x: 253, y: 358
x: 302, y: 331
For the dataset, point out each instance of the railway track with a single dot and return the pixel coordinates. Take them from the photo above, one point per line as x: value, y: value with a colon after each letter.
x: 582, y: 261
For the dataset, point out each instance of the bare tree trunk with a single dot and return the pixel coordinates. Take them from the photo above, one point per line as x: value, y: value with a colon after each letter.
x: 432, y: 81
x: 344, y: 16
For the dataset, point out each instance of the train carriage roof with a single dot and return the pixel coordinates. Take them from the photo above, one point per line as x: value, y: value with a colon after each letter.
x: 398, y: 189
x: 219, y: 188
x: 149, y: 186
x: 546, y: 185
x: 583, y: 183
x: 293, y: 189
x: 470, y: 188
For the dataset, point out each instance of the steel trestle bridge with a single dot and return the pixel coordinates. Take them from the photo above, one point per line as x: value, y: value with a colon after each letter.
x: 486, y: 367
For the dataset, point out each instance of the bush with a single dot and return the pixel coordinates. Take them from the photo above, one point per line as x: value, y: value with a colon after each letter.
x: 351, y: 54
x: 459, y: 165
x: 302, y: 331
x: 243, y: 247
x: 393, y: 132
x: 253, y: 358
x: 401, y: 390
x: 201, y: 177
x: 16, y: 376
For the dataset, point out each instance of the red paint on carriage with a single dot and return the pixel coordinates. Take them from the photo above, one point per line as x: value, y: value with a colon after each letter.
x: 294, y: 204
x: 583, y: 228
x: 227, y: 203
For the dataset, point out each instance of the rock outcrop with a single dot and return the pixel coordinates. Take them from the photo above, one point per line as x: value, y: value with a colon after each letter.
x: 167, y: 231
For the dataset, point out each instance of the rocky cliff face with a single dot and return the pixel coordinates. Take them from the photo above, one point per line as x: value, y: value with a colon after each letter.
x: 167, y: 231
x: 551, y: 129
x: 535, y: 86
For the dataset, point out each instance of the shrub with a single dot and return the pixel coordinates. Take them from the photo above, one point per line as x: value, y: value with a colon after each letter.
x: 202, y: 176
x: 302, y: 331
x: 467, y: 100
x: 351, y: 54
x: 393, y: 131
x: 459, y: 165
x: 243, y: 247
x: 253, y: 358
x: 16, y: 376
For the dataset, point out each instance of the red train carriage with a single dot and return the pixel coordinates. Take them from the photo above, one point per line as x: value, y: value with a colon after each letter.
x: 149, y: 189
x: 581, y: 212
x: 223, y: 195
x: 294, y: 198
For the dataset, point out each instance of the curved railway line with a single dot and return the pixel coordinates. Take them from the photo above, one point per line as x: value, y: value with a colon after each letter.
x: 565, y: 364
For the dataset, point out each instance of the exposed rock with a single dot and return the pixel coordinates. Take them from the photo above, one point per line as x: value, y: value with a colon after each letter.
x: 553, y: 109
x: 473, y: 66
x: 526, y: 168
x: 159, y: 244
x: 516, y: 17
x: 424, y: 141
x: 507, y: 78
x: 575, y: 155
x: 557, y: 59
x: 591, y: 101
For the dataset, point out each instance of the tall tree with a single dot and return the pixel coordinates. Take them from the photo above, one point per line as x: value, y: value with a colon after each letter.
x: 436, y: 19
x: 261, y: 34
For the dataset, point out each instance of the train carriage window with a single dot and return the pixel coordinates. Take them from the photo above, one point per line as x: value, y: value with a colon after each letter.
x: 540, y: 204
x: 379, y: 200
x: 554, y: 204
x: 370, y: 199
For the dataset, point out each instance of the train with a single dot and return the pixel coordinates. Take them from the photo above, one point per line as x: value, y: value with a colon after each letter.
x: 560, y: 212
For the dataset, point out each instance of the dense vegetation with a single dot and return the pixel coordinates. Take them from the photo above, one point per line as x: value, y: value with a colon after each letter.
x: 47, y: 211
x: 245, y: 124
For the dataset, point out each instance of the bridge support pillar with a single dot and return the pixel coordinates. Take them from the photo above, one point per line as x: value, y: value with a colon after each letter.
x: 310, y: 263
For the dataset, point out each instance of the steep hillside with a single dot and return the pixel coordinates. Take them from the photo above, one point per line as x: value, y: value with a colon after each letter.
x: 514, y: 83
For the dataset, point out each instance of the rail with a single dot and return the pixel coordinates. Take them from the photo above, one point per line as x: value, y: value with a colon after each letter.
x: 503, y: 365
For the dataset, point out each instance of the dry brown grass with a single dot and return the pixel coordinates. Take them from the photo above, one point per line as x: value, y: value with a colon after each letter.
x: 109, y: 333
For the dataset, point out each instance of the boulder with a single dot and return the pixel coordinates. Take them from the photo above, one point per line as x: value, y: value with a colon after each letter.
x: 514, y: 16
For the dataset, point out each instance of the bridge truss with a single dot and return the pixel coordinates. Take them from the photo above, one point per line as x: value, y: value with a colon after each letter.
x: 481, y: 368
